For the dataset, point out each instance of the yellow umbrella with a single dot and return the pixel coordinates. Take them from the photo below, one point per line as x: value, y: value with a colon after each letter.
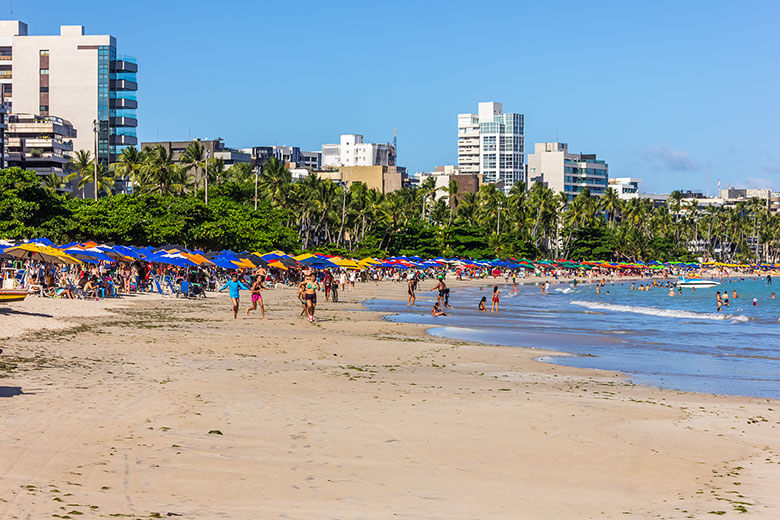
x: 303, y: 256
x: 370, y: 261
x: 33, y: 251
x: 346, y: 263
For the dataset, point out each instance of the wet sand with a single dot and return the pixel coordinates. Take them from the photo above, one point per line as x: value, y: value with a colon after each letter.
x: 171, y: 406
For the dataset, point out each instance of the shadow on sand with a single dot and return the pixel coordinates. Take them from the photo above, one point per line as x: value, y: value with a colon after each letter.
x: 5, y: 311
x: 10, y: 391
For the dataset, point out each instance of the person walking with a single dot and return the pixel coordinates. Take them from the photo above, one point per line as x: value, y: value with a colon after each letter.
x: 234, y: 287
x: 310, y: 287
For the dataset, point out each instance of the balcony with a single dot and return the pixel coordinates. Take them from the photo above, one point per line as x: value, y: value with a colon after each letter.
x: 119, y: 103
x: 123, y: 66
x: 123, y: 121
x: 120, y: 140
x: 123, y: 84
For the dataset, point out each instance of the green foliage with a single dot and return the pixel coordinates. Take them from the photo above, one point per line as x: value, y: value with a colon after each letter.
x: 27, y: 209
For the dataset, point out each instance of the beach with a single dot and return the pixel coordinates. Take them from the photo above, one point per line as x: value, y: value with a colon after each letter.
x: 146, y: 407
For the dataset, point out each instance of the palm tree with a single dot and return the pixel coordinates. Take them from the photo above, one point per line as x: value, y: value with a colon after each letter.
x: 129, y: 166
x: 162, y: 173
x: 193, y: 160
x: 80, y: 168
x: 275, y: 181
x: 610, y: 202
x: 452, y: 196
x: 53, y: 181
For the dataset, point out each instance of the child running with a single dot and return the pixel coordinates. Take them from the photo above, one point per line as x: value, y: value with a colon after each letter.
x: 257, y: 296
x: 234, y: 287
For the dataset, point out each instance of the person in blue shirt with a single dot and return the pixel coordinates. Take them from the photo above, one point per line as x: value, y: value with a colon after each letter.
x: 234, y: 286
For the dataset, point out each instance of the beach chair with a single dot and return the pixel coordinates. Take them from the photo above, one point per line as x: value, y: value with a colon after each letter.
x: 157, y: 285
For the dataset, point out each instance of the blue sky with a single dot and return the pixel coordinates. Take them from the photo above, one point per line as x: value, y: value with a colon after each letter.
x: 669, y: 91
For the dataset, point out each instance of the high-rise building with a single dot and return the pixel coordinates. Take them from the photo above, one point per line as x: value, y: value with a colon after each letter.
x: 561, y: 171
x: 74, y: 76
x: 353, y: 151
x: 492, y: 144
x: 39, y: 143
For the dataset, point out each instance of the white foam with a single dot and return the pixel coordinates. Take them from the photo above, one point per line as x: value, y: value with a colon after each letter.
x: 655, y: 311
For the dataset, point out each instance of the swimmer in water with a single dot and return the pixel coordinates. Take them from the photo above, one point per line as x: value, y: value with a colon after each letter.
x: 735, y: 295
x: 671, y: 292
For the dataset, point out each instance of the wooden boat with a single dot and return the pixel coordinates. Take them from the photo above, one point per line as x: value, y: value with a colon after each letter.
x: 12, y: 295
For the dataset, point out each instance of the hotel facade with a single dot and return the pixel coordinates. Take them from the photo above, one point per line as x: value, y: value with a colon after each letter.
x: 74, y: 76
x: 491, y: 143
x: 561, y: 171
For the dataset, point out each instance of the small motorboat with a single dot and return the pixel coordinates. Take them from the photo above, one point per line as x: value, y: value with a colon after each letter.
x: 12, y: 295
x: 696, y: 283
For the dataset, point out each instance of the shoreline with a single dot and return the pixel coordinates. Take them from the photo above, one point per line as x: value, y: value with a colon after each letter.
x: 356, y: 417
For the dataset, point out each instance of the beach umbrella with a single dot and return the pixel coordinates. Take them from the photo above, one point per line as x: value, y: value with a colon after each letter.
x: 88, y: 255
x: 40, y: 252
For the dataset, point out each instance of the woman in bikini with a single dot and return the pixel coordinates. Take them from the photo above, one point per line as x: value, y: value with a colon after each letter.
x: 496, y: 299
x: 310, y: 288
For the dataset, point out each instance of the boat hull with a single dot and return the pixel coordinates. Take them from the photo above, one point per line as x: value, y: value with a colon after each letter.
x: 12, y: 295
x: 698, y: 283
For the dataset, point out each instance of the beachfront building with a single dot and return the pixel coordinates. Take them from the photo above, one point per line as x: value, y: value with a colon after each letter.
x: 3, y: 127
x: 561, y: 171
x: 77, y: 77
x: 352, y: 150
x: 41, y: 144
x: 491, y: 143
x: 442, y: 175
x: 292, y: 156
x: 625, y: 187
x: 213, y: 148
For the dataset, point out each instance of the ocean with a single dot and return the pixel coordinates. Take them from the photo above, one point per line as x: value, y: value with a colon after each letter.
x: 678, y: 342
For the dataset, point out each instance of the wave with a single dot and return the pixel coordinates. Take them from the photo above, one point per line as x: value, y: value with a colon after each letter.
x: 656, y: 311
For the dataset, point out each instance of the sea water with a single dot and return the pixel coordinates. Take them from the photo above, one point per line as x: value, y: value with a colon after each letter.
x: 679, y: 342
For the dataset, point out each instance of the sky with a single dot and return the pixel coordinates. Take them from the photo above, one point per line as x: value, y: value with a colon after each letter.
x: 680, y: 94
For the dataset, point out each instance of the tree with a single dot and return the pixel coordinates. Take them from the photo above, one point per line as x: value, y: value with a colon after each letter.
x: 193, y: 160
x: 80, y: 168
x: 275, y: 181
x: 130, y: 166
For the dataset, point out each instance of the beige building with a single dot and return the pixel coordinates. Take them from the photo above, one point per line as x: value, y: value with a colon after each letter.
x: 75, y: 76
x: 385, y: 179
x: 467, y: 182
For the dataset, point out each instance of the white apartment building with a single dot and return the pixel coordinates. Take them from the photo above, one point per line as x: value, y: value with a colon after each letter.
x: 492, y: 144
x: 626, y: 187
x: 73, y: 76
x: 561, y: 171
x: 353, y: 151
x: 442, y: 175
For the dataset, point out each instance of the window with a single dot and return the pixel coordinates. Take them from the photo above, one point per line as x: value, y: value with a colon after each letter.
x: 44, y: 108
x: 44, y: 52
x: 489, y: 143
x: 44, y: 89
x: 44, y: 72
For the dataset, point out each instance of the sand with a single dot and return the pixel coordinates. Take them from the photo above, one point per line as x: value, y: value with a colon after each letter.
x: 167, y: 407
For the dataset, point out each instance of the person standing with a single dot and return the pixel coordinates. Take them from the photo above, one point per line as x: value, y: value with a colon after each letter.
x: 496, y: 299
x: 234, y: 287
x: 412, y: 285
x: 718, y: 301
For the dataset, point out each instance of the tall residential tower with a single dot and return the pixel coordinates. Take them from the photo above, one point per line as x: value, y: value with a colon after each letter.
x: 492, y: 143
x: 73, y: 76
